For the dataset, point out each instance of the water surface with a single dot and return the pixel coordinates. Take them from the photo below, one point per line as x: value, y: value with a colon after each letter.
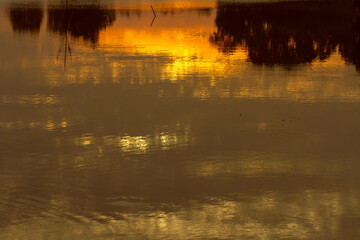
x: 214, y: 120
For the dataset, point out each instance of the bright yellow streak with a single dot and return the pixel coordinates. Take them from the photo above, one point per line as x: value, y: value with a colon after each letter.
x: 163, y: 6
x: 188, y: 47
x: 177, y: 48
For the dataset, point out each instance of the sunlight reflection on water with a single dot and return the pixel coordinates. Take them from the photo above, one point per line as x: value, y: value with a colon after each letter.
x: 214, y: 121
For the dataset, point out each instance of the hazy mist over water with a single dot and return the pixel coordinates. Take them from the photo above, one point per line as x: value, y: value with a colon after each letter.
x: 212, y: 120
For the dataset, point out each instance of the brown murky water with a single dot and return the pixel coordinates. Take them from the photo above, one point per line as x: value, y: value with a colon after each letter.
x: 211, y: 121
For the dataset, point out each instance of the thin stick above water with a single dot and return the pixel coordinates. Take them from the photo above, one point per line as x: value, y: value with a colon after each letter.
x: 153, y: 10
x: 154, y: 16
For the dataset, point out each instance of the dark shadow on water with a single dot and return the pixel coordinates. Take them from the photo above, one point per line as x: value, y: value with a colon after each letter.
x: 85, y: 23
x: 289, y: 33
x: 26, y: 18
x: 350, y: 49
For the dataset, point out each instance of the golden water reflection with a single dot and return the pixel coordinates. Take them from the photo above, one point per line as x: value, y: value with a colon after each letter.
x: 219, y: 218
x: 195, y: 127
x: 182, y: 46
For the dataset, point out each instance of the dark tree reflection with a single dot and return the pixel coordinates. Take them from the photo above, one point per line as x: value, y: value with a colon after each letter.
x: 288, y: 33
x: 26, y: 19
x: 350, y: 48
x: 83, y: 23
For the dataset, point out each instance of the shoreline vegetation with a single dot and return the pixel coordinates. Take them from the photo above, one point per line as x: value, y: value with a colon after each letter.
x: 275, y: 33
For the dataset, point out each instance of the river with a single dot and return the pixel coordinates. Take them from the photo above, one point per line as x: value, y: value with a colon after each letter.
x: 212, y: 120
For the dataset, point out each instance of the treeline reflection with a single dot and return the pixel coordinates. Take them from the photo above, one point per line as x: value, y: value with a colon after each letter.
x: 282, y: 33
x: 26, y: 19
x: 83, y: 23
x: 289, y: 33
